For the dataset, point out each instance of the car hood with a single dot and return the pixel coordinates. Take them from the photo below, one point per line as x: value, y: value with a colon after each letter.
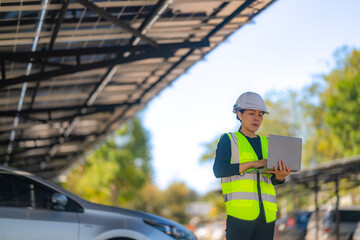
x: 133, y: 213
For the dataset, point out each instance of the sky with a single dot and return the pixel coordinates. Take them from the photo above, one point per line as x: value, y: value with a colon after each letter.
x: 286, y: 47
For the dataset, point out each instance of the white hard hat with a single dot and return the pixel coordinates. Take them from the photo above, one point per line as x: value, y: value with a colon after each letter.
x: 250, y: 100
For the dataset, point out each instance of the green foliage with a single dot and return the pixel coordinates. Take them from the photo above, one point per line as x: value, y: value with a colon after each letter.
x: 285, y: 114
x: 119, y: 173
x: 333, y: 128
x: 114, y: 173
x: 320, y: 143
x: 342, y: 98
x: 170, y: 203
x: 150, y: 199
x: 210, y: 150
x: 177, y: 197
x: 217, y: 200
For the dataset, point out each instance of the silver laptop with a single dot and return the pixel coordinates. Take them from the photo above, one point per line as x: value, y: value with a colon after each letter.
x: 283, y: 148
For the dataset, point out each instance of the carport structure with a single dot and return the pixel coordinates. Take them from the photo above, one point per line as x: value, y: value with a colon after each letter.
x: 316, y: 179
x: 73, y: 70
x: 328, y: 172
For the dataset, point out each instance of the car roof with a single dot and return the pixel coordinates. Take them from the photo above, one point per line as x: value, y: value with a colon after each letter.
x: 343, y: 208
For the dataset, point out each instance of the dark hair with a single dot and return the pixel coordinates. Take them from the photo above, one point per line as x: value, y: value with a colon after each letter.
x: 237, y: 116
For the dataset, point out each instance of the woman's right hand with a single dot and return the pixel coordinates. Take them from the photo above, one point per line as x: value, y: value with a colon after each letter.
x: 260, y: 163
x: 255, y: 164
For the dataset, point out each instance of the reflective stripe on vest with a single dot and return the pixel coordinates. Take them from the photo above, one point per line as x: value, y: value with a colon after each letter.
x: 249, y: 196
x: 248, y: 176
x: 268, y: 198
x: 234, y: 148
x: 241, y: 196
x: 265, y: 178
x: 240, y: 191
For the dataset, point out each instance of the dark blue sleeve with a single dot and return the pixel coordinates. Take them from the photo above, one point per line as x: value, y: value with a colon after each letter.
x: 222, y: 166
x: 276, y: 182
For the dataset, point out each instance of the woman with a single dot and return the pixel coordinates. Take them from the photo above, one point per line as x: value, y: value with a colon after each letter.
x: 250, y: 197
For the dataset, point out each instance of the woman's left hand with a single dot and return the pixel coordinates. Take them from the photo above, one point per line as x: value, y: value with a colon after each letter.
x: 280, y: 172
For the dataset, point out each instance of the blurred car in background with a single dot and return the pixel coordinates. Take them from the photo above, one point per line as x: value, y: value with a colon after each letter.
x: 356, y: 234
x: 34, y: 209
x: 302, y: 219
x: 286, y: 227
x: 349, y: 217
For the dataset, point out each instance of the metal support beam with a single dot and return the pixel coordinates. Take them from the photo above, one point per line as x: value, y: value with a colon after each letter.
x: 101, y: 85
x: 49, y: 111
x: 54, y: 34
x: 24, y: 149
x: 230, y: 17
x: 106, y: 15
x: 23, y: 152
x: 35, y: 157
x: 72, y: 85
x: 43, y: 76
x: 316, y: 189
x: 59, y: 22
x: 3, y: 70
x: 52, y: 139
x: 22, y: 56
x: 155, y: 13
x: 337, y: 213
x: 165, y: 51
x: 295, y: 197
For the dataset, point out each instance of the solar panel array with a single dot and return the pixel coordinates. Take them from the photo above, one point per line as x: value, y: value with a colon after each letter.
x: 73, y: 70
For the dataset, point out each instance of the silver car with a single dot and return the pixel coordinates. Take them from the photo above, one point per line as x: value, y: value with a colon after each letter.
x: 34, y: 209
x: 349, y: 216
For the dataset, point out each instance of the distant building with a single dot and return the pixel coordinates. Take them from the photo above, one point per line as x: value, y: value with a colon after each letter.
x: 198, y: 209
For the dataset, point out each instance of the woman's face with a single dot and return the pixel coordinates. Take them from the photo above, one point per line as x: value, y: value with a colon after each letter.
x: 251, y: 119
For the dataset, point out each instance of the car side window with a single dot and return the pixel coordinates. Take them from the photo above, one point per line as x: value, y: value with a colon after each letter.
x: 17, y: 191
x: 14, y: 193
x: 7, y: 194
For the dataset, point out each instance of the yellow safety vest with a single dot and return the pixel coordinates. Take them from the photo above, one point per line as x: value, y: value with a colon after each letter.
x: 240, y: 191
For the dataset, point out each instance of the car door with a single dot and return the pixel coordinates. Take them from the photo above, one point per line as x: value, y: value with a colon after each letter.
x: 26, y: 212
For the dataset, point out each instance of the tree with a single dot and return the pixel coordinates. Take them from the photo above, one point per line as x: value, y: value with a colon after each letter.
x: 285, y: 114
x: 342, y: 99
x: 150, y: 199
x: 119, y: 173
x: 210, y: 149
x: 333, y: 125
x: 177, y: 197
x: 218, y: 207
x: 320, y: 144
x: 115, y: 172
